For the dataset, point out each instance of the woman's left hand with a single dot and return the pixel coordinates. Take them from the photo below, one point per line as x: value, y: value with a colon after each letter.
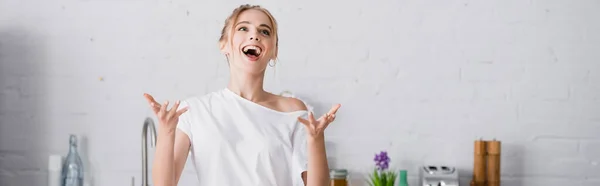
x: 315, y: 128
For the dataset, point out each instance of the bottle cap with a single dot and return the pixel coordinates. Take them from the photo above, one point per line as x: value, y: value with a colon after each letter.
x: 73, y: 139
x: 338, y: 173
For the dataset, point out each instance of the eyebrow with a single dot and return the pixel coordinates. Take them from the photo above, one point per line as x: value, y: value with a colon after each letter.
x: 248, y: 22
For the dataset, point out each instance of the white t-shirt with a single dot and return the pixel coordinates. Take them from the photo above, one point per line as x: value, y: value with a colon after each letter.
x: 236, y: 142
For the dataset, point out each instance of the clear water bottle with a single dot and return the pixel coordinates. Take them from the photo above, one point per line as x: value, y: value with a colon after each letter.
x: 72, y: 169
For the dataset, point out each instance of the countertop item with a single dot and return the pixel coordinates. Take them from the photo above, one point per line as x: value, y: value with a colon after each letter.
x: 493, y: 163
x: 402, y: 178
x: 479, y: 161
x: 54, y: 168
x: 439, y: 175
x: 72, y: 168
x: 486, y: 163
x: 338, y: 177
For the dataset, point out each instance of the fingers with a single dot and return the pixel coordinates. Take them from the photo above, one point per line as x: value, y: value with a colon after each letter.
x: 181, y: 111
x: 150, y: 99
x: 318, y: 126
x: 304, y: 121
x: 329, y: 120
x: 334, y: 109
x: 311, y: 118
x: 153, y: 104
x: 327, y: 116
x: 173, y: 110
x: 155, y: 107
x: 310, y: 123
x: 163, y: 109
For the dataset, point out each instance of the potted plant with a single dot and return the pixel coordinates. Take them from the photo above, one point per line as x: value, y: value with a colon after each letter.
x: 381, y: 175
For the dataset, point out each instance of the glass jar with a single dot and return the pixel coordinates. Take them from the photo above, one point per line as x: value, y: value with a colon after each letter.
x: 338, y: 177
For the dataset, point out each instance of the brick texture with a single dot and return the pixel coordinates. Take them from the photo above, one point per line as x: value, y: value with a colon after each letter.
x: 420, y: 79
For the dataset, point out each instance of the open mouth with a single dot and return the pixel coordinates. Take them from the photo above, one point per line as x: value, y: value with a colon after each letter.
x: 252, y: 51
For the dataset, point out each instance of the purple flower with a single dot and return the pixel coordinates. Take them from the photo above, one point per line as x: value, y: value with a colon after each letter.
x: 382, y: 160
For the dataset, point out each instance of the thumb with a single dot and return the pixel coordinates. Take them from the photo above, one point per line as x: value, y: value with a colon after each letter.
x: 304, y: 121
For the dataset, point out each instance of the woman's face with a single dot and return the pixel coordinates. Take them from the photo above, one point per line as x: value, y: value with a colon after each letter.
x: 252, y: 43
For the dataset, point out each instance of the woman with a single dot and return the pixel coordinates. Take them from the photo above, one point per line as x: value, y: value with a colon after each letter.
x: 243, y: 135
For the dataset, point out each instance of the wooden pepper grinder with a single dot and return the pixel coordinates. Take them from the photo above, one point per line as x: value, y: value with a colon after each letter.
x: 479, y: 168
x: 493, y: 163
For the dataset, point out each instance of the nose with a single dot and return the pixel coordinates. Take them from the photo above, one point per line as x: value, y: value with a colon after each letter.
x: 254, y: 36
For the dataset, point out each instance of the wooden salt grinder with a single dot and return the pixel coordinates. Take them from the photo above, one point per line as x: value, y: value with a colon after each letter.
x: 493, y: 163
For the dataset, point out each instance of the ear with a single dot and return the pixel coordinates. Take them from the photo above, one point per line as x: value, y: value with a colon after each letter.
x: 274, y: 55
x: 223, y: 47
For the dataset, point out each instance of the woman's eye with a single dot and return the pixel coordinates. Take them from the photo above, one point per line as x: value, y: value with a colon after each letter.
x: 266, y: 32
x: 242, y: 29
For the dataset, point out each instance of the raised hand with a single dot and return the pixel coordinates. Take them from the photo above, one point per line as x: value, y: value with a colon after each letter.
x: 166, y: 118
x: 315, y: 128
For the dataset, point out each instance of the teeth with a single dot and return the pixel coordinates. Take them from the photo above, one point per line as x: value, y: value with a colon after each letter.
x: 257, y: 49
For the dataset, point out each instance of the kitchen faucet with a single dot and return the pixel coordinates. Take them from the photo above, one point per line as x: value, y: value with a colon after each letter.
x: 148, y: 123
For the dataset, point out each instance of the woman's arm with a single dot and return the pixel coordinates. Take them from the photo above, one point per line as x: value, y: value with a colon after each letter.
x: 318, y: 167
x: 172, y: 144
x: 172, y: 149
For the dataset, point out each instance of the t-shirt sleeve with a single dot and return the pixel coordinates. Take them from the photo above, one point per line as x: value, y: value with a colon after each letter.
x: 184, y: 123
x: 300, y: 151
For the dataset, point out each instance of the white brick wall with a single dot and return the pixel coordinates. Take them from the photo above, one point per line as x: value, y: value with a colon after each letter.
x: 421, y: 79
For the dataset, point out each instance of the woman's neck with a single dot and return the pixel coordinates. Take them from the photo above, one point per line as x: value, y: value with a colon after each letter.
x: 248, y: 86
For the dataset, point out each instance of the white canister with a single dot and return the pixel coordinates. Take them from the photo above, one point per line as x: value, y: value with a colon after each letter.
x: 54, y: 169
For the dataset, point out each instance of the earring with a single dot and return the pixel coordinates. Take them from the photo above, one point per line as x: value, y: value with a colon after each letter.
x: 273, y: 63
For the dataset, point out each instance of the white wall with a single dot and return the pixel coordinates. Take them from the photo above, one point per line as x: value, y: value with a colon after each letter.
x: 421, y: 79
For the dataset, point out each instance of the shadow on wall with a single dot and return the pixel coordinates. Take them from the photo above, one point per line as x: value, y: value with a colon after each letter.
x: 513, y: 164
x: 23, y: 131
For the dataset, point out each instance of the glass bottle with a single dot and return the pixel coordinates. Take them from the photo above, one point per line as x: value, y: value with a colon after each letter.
x: 338, y: 177
x: 72, y: 169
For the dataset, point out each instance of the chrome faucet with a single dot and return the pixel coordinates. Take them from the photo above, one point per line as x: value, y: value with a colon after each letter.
x: 148, y: 123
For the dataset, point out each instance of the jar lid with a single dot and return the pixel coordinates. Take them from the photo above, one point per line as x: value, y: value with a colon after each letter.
x: 338, y: 173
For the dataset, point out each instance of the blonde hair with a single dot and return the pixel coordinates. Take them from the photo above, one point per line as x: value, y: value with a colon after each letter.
x: 227, y: 30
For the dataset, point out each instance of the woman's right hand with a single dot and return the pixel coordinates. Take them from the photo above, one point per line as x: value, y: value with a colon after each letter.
x: 166, y: 118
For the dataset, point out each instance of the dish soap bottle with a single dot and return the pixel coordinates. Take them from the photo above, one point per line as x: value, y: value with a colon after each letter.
x: 72, y: 169
x: 403, y: 180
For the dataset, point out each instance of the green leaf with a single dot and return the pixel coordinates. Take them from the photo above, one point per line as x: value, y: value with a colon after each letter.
x: 378, y: 181
x: 373, y: 179
x: 391, y: 178
x: 382, y: 178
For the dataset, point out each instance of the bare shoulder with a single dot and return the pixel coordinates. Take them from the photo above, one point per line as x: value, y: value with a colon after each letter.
x: 294, y: 104
x: 289, y: 104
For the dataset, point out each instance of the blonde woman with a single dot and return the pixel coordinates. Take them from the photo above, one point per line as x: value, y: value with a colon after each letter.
x: 243, y: 135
